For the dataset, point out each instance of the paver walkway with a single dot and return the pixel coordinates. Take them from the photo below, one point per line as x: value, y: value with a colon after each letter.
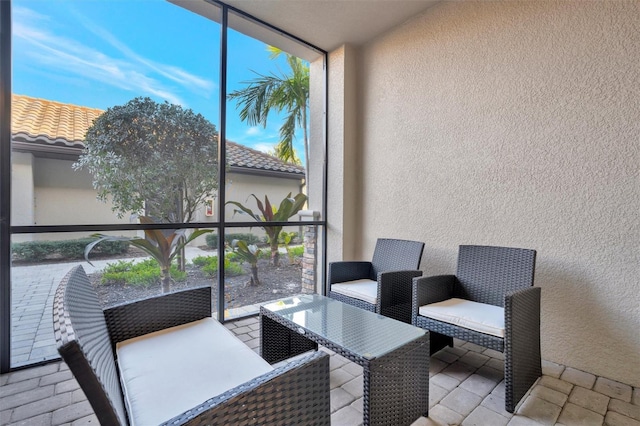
x: 466, y: 388
x: 32, y: 292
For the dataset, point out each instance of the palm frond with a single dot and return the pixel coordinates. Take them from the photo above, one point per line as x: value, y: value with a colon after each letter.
x: 255, y: 99
x: 286, y: 92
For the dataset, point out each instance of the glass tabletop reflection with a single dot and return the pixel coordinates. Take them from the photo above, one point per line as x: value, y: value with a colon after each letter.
x: 364, y: 333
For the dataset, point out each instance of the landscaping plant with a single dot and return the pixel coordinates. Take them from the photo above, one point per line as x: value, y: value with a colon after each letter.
x: 249, y: 253
x: 285, y: 239
x: 288, y: 207
x: 162, y: 249
x: 143, y: 273
x: 209, y: 265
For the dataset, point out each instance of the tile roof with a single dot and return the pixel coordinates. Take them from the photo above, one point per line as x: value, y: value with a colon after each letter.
x: 42, y: 121
x: 48, y: 121
x: 242, y: 156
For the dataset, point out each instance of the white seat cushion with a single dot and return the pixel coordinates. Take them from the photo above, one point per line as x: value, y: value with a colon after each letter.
x: 366, y: 290
x: 165, y: 373
x: 481, y: 317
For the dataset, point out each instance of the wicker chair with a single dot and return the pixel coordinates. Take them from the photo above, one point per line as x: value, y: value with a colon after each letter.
x: 382, y: 285
x: 505, y: 316
x: 294, y: 393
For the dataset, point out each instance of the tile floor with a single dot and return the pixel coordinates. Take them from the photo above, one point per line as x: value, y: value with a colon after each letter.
x: 466, y: 388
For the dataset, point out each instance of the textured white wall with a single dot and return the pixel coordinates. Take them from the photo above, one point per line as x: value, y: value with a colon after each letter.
x: 64, y: 196
x: 317, y: 148
x: 343, y: 173
x: 516, y: 124
x: 241, y: 186
x: 22, y: 189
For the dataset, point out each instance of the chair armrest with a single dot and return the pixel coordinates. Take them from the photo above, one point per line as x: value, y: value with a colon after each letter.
x: 394, y: 293
x: 523, y: 361
x: 296, y: 393
x: 395, y: 286
x: 522, y: 313
x: 432, y: 289
x: 340, y: 272
x: 145, y: 316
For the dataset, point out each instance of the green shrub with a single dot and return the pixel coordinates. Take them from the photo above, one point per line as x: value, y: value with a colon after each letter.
x: 31, y: 251
x: 143, y: 273
x: 212, y: 239
x: 36, y: 251
x: 233, y: 257
x: 209, y: 265
x: 111, y: 247
x: 232, y: 269
x: 297, y: 251
x: 292, y: 237
x: 204, y: 260
x: 211, y: 268
x: 72, y: 249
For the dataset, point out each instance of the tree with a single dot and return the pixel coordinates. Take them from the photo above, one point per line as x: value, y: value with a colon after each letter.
x: 284, y: 92
x: 274, y: 153
x: 155, y: 157
x: 288, y: 207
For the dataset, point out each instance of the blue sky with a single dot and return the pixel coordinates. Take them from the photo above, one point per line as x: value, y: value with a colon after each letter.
x: 105, y: 53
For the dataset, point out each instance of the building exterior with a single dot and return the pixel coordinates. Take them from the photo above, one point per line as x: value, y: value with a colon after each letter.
x: 46, y: 190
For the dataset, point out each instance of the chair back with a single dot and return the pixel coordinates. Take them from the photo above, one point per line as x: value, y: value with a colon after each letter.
x: 83, y: 342
x: 485, y: 273
x: 396, y: 255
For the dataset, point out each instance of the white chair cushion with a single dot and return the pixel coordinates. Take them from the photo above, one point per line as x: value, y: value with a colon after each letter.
x: 481, y: 317
x: 366, y: 290
x: 165, y: 373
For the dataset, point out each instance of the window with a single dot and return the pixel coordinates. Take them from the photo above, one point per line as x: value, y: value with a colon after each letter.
x: 124, y: 131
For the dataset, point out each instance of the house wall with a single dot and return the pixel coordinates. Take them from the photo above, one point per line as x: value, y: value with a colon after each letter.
x: 65, y: 196
x: 240, y: 187
x: 516, y: 124
x: 22, y: 191
x: 49, y: 192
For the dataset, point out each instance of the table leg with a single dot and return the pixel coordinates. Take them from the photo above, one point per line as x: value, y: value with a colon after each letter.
x: 278, y: 342
x: 396, y: 386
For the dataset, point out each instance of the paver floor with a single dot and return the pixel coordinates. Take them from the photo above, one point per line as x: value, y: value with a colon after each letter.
x: 32, y: 290
x: 466, y: 388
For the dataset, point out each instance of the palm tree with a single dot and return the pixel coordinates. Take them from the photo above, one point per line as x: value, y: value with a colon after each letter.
x: 289, y: 93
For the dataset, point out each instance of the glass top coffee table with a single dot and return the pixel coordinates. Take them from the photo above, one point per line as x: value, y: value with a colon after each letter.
x: 394, y: 355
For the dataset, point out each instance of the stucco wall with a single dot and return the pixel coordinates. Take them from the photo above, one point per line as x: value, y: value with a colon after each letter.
x: 22, y: 190
x: 343, y: 171
x: 516, y: 124
x: 240, y: 187
x: 64, y: 196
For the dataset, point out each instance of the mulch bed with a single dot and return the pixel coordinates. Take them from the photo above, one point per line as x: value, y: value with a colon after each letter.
x: 276, y: 283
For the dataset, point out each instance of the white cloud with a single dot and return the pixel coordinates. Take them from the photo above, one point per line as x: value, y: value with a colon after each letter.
x: 253, y: 131
x: 263, y: 147
x: 23, y: 14
x: 131, y: 72
x: 171, y: 72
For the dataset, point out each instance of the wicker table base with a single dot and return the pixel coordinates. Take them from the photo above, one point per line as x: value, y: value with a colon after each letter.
x: 395, y: 372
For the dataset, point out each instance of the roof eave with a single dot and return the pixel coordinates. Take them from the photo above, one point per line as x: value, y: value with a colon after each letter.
x: 263, y: 172
x: 63, y: 152
x: 47, y: 150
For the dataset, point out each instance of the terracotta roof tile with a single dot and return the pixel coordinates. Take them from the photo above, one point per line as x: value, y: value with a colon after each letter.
x: 34, y: 118
x: 43, y: 121
x: 242, y: 156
